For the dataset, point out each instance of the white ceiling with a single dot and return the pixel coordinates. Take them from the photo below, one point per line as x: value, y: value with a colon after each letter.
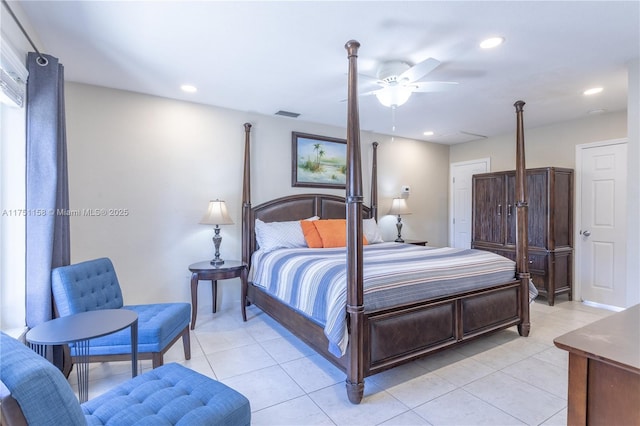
x: 267, y: 56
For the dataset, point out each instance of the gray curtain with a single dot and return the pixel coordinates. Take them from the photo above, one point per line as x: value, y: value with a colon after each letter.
x: 47, y: 192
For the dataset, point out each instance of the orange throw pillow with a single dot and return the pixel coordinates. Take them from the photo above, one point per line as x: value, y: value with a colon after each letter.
x: 333, y: 232
x: 311, y: 235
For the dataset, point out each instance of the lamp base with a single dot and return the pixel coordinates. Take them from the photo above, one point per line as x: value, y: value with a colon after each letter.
x: 217, y: 239
x: 399, y: 227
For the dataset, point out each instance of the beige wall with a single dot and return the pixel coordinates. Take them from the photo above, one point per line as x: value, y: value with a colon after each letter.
x: 424, y: 168
x: 163, y: 160
x: 544, y: 146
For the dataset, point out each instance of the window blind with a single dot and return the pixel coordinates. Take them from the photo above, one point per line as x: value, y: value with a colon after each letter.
x: 13, y: 76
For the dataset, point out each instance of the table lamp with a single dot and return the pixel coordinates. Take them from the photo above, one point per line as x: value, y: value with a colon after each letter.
x: 216, y: 215
x: 399, y: 207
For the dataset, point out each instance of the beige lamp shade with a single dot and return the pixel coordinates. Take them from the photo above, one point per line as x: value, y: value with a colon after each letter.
x: 216, y: 214
x: 399, y: 207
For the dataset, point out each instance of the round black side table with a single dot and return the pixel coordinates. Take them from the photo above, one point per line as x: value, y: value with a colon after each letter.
x: 79, y: 329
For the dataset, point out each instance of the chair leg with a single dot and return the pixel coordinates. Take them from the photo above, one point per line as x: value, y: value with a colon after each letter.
x: 186, y: 343
x: 157, y: 359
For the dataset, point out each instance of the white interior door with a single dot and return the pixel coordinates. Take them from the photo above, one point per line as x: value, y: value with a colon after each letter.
x: 460, y: 200
x: 601, y: 241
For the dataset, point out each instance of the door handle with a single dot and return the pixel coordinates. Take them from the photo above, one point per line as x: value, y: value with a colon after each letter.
x: 586, y: 233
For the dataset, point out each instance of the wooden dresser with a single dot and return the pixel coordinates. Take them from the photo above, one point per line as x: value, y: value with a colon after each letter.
x: 604, y: 370
x: 550, y: 197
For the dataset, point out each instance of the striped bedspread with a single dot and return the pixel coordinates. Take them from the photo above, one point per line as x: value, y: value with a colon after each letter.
x: 313, y: 281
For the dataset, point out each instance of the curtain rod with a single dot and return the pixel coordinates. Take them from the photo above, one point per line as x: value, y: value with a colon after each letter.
x: 41, y: 59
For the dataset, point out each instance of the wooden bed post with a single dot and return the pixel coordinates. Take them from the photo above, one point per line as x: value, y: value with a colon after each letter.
x: 522, y: 223
x: 355, y: 298
x: 246, y: 199
x: 374, y: 182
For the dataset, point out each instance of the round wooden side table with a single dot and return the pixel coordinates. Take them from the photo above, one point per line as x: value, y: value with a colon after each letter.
x: 206, y: 271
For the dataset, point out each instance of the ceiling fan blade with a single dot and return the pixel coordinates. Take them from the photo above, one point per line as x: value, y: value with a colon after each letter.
x: 372, y: 92
x: 432, y: 86
x: 419, y: 70
x: 368, y: 78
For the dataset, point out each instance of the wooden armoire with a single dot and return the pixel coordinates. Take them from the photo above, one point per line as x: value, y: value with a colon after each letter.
x: 550, y: 200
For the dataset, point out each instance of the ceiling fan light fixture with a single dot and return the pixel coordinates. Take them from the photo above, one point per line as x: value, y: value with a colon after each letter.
x: 394, y: 96
x: 491, y: 42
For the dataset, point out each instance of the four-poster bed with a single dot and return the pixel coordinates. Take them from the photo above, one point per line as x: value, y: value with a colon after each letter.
x: 382, y: 337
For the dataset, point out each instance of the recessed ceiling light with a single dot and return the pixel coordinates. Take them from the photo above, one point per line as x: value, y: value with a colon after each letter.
x: 188, y: 88
x: 428, y: 133
x: 491, y: 42
x: 592, y: 91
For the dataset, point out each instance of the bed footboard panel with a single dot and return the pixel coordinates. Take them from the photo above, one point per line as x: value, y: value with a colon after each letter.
x: 402, y: 335
x: 409, y: 331
x: 490, y: 310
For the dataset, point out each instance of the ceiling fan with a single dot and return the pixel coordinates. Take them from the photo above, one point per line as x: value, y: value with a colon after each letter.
x: 398, y: 80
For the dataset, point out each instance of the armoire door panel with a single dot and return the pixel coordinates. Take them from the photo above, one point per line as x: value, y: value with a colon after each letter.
x: 488, y: 209
x: 563, y: 210
x: 538, y: 208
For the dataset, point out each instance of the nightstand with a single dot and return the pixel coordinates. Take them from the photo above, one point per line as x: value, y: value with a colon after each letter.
x: 417, y: 242
x: 206, y: 271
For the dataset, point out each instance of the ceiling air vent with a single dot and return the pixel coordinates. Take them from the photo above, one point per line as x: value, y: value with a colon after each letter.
x: 288, y: 114
x: 455, y: 137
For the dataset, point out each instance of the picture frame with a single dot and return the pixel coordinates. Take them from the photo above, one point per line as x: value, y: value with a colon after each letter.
x: 318, y: 161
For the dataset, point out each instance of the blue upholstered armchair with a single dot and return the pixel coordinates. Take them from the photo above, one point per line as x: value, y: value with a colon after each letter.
x: 34, y: 392
x: 94, y: 285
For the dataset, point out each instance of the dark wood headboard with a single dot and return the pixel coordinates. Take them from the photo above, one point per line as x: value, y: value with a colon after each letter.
x: 298, y: 207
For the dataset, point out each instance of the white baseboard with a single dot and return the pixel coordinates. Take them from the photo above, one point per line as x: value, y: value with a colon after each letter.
x: 603, y: 306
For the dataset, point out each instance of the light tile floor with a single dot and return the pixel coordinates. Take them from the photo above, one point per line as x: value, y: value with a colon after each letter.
x: 501, y: 379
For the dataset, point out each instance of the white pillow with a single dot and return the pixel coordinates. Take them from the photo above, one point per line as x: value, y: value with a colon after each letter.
x: 274, y: 235
x: 371, y: 231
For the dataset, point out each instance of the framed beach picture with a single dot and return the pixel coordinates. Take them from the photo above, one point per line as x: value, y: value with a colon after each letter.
x: 318, y: 161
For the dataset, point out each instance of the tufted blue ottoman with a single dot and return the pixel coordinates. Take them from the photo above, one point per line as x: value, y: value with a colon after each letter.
x: 168, y: 395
